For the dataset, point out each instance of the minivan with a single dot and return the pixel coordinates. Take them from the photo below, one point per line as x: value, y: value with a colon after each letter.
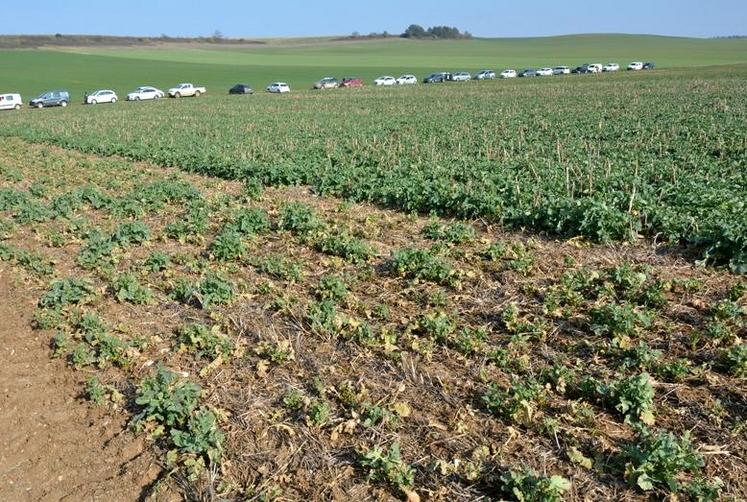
x: 51, y: 98
x: 10, y: 102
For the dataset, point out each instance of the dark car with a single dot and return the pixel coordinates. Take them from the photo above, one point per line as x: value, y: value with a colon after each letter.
x: 528, y: 73
x: 241, y: 89
x: 649, y: 66
x: 51, y: 98
x: 439, y: 78
x: 351, y: 82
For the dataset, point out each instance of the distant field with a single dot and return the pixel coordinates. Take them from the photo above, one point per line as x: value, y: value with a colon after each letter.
x: 78, y: 69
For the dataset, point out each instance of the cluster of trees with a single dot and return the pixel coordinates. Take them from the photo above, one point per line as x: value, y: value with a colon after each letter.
x: 435, y: 32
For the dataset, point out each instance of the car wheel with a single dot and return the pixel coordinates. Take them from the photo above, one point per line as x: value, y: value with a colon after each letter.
x: 114, y: 100
x: 17, y: 107
x: 197, y: 94
x: 94, y: 102
x: 40, y: 105
x: 177, y: 95
x: 63, y: 104
x: 137, y: 98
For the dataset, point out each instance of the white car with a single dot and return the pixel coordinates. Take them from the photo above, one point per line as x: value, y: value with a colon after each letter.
x: 144, y: 93
x: 508, y: 74
x: 10, y: 101
x: 186, y: 90
x: 461, y: 76
x: 101, y: 96
x: 544, y: 72
x: 611, y: 67
x: 635, y: 66
x: 386, y: 80
x: 407, y: 80
x: 595, y: 67
x: 278, y: 88
x: 484, y: 75
x: 561, y: 70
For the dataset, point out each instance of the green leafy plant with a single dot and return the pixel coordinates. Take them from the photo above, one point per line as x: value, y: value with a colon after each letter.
x: 386, y: 466
x: 658, y: 460
x: 343, y: 245
x: 203, y: 341
x: 228, y: 246
x: 423, y: 265
x: 518, y: 402
x: 70, y: 291
x: 134, y: 232
x: 250, y: 221
x: 157, y: 261
x: 127, y: 288
x: 452, y: 233
x: 281, y: 268
x: 332, y: 287
x: 97, y: 251
x: 165, y: 401
x: 215, y: 289
x: 299, y: 219
x: 528, y: 486
x: 200, y: 435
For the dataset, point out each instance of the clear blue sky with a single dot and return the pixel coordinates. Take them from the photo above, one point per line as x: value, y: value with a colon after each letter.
x: 267, y: 18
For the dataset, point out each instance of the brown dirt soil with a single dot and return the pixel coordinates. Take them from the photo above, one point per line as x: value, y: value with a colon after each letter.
x: 53, y: 446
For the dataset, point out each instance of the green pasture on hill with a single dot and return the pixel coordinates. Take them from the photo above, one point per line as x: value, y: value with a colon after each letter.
x: 31, y: 72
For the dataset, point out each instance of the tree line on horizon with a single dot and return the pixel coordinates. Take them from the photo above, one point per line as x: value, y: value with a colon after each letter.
x: 415, y: 31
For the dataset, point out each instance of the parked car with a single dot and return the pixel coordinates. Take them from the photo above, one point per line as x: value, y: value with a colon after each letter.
x: 587, y: 68
x: 611, y: 67
x: 10, y: 101
x: 186, y: 90
x: 485, y: 75
x: 278, y: 88
x: 51, y: 98
x: 561, y: 70
x: 407, y: 80
x: 528, y: 73
x: 144, y: 93
x: 101, y: 96
x: 438, y: 77
x: 649, y: 66
x: 385, y: 81
x: 635, y: 66
x: 241, y: 89
x: 508, y: 74
x: 351, y: 82
x: 461, y: 76
x: 544, y: 72
x: 326, y: 83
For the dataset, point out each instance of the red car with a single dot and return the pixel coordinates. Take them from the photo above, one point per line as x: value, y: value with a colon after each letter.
x: 351, y: 82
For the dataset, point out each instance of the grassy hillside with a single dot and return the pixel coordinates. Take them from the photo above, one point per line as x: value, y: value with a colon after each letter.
x: 78, y: 69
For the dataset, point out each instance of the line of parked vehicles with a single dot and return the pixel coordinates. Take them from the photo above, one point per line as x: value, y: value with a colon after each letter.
x: 13, y: 101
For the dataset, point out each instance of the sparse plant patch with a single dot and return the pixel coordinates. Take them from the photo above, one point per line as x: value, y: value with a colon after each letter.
x: 422, y: 264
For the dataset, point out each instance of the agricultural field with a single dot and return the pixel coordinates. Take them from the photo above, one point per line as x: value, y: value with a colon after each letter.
x: 274, y: 344
x: 510, y: 290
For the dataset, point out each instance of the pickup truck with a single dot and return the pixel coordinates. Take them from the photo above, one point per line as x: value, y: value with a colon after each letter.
x: 184, y: 90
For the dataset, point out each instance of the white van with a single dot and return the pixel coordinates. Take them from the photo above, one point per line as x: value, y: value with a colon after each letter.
x: 10, y: 102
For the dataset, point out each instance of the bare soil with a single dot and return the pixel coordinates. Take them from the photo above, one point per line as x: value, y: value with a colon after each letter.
x: 53, y: 446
